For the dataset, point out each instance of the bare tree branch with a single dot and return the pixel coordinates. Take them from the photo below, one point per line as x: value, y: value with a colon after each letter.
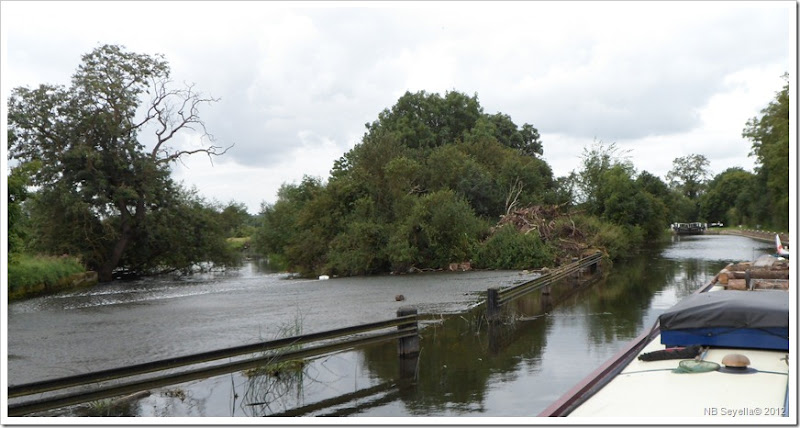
x: 174, y: 111
x: 512, y: 199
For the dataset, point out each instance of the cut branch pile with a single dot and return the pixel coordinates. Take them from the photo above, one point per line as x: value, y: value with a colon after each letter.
x: 553, y: 226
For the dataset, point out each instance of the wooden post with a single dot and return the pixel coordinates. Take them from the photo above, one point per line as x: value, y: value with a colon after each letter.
x: 493, y: 332
x: 492, y: 304
x: 747, y: 283
x: 576, y: 277
x: 546, y: 301
x: 408, y: 347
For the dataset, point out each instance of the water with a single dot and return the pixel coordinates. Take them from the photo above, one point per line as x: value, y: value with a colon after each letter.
x: 466, y: 367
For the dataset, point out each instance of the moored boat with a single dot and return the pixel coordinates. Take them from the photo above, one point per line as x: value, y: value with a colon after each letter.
x: 695, y: 228
x: 721, y: 351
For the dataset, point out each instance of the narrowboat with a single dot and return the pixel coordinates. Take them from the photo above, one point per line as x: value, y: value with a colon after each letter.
x: 722, y: 351
x: 695, y: 228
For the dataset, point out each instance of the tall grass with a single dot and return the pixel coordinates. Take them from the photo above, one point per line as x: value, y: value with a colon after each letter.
x: 29, y: 275
x: 239, y: 244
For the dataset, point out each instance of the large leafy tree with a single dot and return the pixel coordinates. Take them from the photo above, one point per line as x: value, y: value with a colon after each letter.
x: 596, y: 161
x: 419, y: 190
x: 689, y: 175
x: 770, y: 137
x: 689, y: 179
x: 731, y: 197
x: 608, y: 190
x: 99, y: 174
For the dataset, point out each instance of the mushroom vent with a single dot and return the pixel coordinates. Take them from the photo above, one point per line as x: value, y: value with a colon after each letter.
x: 737, y: 364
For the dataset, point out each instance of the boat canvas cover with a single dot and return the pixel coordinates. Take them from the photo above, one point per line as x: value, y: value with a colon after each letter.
x: 757, y: 319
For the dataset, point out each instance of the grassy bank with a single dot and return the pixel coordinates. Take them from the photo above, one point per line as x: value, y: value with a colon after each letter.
x: 33, y: 275
x: 239, y: 244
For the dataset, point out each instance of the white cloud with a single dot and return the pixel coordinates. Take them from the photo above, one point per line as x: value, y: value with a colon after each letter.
x: 302, y: 79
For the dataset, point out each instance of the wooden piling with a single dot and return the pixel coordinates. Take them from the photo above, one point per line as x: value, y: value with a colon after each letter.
x: 493, y: 304
x: 576, y: 277
x: 408, y: 347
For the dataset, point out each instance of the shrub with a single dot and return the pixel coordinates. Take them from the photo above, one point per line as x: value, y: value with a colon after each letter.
x: 510, y: 249
x: 34, y: 274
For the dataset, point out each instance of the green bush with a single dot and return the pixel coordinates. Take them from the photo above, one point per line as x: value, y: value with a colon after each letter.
x: 510, y: 249
x: 34, y: 274
x: 614, y: 239
x: 441, y: 229
x: 239, y: 243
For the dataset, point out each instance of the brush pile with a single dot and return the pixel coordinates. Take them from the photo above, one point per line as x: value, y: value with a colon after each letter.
x: 553, y: 226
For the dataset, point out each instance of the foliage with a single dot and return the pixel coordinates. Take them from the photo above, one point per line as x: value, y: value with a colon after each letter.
x: 235, y: 221
x: 770, y: 137
x: 30, y: 274
x: 239, y: 244
x: 419, y: 191
x: 17, y: 193
x: 613, y: 239
x: 279, y: 221
x: 441, y: 228
x: 98, y: 182
x: 596, y: 161
x: 689, y: 175
x: 608, y: 190
x: 180, y: 238
x: 510, y: 249
x: 730, y: 197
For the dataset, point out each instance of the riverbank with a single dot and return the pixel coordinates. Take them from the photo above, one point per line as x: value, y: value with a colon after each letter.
x: 761, y: 235
x: 31, y: 276
x: 462, y: 372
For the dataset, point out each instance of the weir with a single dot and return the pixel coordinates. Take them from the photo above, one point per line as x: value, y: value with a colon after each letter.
x: 407, y: 335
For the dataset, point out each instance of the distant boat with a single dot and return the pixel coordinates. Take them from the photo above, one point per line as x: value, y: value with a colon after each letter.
x: 695, y: 228
x: 779, y: 250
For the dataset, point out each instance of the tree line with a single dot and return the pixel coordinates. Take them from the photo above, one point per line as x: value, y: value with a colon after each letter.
x: 434, y: 180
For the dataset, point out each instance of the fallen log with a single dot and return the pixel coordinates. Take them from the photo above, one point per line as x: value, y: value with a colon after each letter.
x: 761, y: 274
x: 758, y: 284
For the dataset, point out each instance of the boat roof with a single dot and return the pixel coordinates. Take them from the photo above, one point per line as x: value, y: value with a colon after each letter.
x: 652, y: 389
x: 729, y: 308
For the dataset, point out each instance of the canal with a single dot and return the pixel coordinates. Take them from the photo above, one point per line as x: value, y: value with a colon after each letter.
x: 466, y: 367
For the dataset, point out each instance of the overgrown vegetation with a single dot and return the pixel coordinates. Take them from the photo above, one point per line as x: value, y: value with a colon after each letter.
x: 31, y: 275
x: 435, y: 180
x: 435, y: 177
x: 104, y: 188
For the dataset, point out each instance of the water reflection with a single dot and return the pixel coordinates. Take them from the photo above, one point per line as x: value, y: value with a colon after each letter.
x: 545, y: 343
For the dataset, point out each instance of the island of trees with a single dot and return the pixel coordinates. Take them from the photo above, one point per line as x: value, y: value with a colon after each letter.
x: 435, y: 180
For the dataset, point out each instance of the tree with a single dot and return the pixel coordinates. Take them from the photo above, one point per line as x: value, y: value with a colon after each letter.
x: 235, y: 220
x: 17, y: 193
x: 770, y: 137
x: 441, y: 229
x: 279, y: 221
x: 96, y: 165
x: 596, y: 162
x: 417, y: 190
x: 730, y: 197
x: 689, y: 175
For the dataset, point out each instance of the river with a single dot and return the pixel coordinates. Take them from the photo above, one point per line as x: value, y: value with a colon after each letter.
x: 464, y: 369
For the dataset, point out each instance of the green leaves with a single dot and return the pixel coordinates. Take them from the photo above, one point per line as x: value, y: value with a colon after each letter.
x: 689, y: 175
x: 509, y: 249
x: 770, y: 137
x: 418, y: 191
x: 101, y: 193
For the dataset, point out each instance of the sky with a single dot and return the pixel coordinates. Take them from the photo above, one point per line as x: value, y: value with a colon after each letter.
x: 297, y: 82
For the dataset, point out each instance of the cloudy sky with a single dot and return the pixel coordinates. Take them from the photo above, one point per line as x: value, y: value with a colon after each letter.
x: 298, y: 81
